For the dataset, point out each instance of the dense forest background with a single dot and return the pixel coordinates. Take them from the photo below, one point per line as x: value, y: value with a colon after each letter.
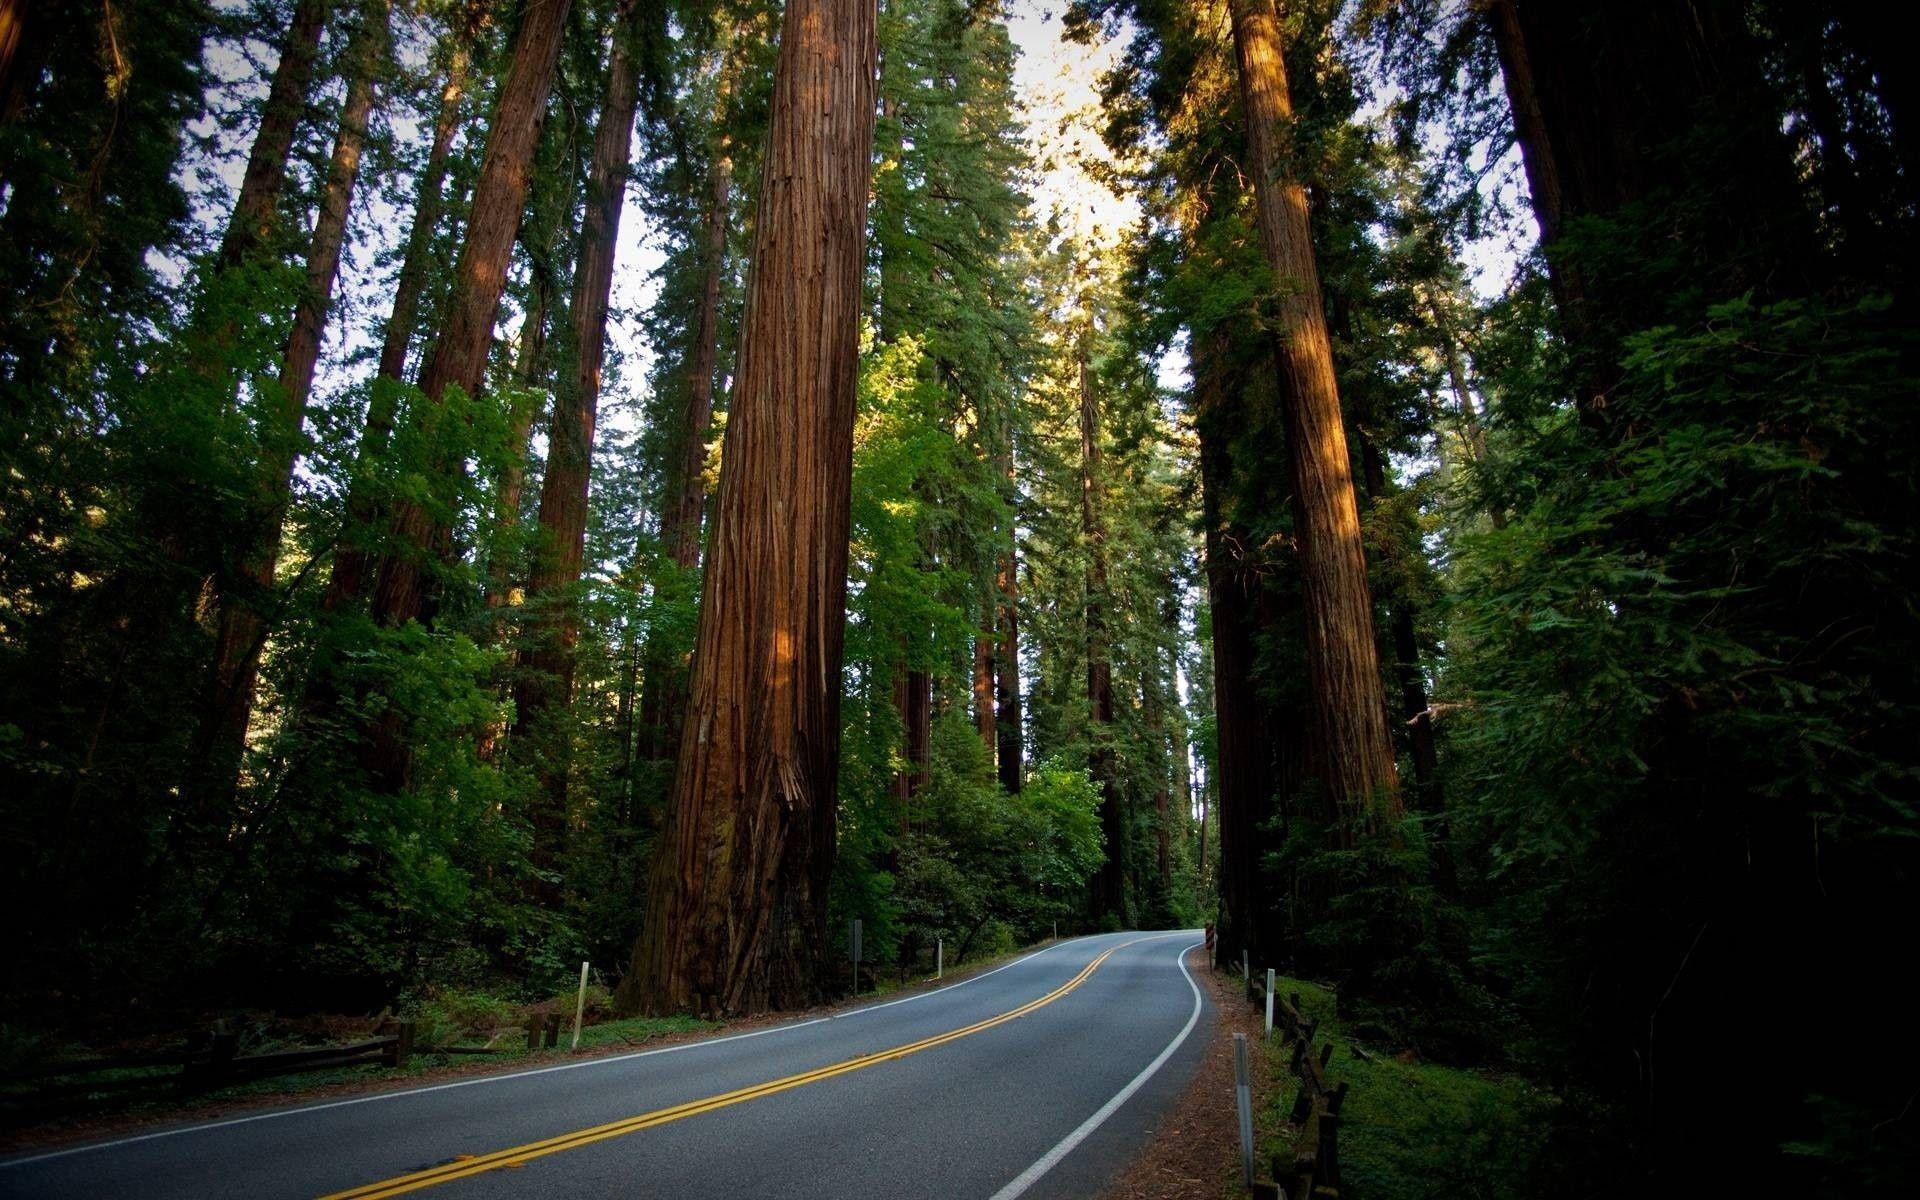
x: 1459, y: 539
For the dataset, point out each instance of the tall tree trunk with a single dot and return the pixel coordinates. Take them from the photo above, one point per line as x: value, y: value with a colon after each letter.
x: 1200, y: 871
x: 1352, y: 752
x: 243, y: 620
x: 13, y: 24
x: 255, y: 213
x: 1258, y: 746
x: 347, y: 581
x: 459, y: 358
x: 736, y: 909
x: 914, y: 698
x: 687, y: 499
x: 1165, y: 691
x: 546, y: 683
x: 530, y: 374
x: 1154, y: 712
x: 1406, y: 652
x: 1109, y: 885
x: 1006, y: 684
x: 1599, y: 96
x: 983, y: 718
x: 665, y: 699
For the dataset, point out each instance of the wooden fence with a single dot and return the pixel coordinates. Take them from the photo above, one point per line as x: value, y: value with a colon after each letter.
x: 1313, y: 1169
x: 212, y: 1060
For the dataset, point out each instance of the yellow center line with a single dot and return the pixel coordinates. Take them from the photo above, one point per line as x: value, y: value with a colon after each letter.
x: 518, y: 1155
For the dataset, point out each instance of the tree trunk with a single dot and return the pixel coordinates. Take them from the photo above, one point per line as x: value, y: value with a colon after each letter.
x: 459, y: 358
x: 1599, y: 95
x: 347, y: 580
x: 736, y: 909
x: 244, y: 619
x: 983, y: 718
x: 1406, y: 652
x: 913, y: 703
x: 1352, y: 752
x: 687, y: 498
x: 1257, y: 744
x: 1109, y: 884
x: 256, y: 212
x: 546, y: 682
x: 1006, y: 684
x: 1164, y: 691
x: 13, y: 24
x: 665, y: 700
x: 530, y: 374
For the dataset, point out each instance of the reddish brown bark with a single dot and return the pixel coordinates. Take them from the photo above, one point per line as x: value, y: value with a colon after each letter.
x: 347, y: 580
x: 243, y: 620
x: 1352, y: 752
x: 255, y: 213
x: 687, y: 502
x: 510, y: 488
x: 1108, y: 888
x: 665, y: 700
x: 983, y: 719
x: 913, y: 701
x: 459, y: 358
x: 547, y: 680
x: 736, y: 910
x: 13, y: 22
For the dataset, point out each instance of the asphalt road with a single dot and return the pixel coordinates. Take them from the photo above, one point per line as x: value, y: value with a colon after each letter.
x: 1037, y: 1079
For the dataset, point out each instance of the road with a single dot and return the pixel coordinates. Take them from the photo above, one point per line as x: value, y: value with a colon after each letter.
x: 1038, y: 1079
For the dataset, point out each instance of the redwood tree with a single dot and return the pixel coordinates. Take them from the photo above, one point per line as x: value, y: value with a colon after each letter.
x: 561, y: 542
x: 243, y: 621
x: 1351, y: 750
x: 1108, y: 890
x: 736, y: 910
x: 459, y: 357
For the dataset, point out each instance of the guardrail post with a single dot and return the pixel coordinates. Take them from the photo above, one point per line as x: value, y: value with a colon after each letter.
x: 1243, y: 1100
x: 580, y: 1007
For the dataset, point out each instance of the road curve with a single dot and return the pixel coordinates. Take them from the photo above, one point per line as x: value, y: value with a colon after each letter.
x: 1038, y: 1079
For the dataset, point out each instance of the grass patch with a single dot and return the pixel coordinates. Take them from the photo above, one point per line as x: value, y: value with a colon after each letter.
x: 1412, y: 1130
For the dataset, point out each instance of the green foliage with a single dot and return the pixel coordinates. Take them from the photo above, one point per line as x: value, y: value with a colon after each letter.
x: 1412, y: 1129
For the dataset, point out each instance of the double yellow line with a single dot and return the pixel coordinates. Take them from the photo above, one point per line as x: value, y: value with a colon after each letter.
x: 519, y: 1155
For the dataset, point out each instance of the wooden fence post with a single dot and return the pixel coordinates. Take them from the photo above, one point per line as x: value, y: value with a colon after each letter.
x: 401, y: 1048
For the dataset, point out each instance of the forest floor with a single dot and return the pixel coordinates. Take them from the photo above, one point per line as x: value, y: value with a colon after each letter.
x: 26, y: 1128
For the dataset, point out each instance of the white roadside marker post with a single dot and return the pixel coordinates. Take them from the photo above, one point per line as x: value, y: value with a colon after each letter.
x: 1269, y: 1003
x: 1243, y: 1098
x: 580, y: 1006
x: 939, y: 957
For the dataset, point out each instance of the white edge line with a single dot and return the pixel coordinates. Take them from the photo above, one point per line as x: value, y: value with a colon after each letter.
x: 460, y: 1083
x: 1051, y: 1158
